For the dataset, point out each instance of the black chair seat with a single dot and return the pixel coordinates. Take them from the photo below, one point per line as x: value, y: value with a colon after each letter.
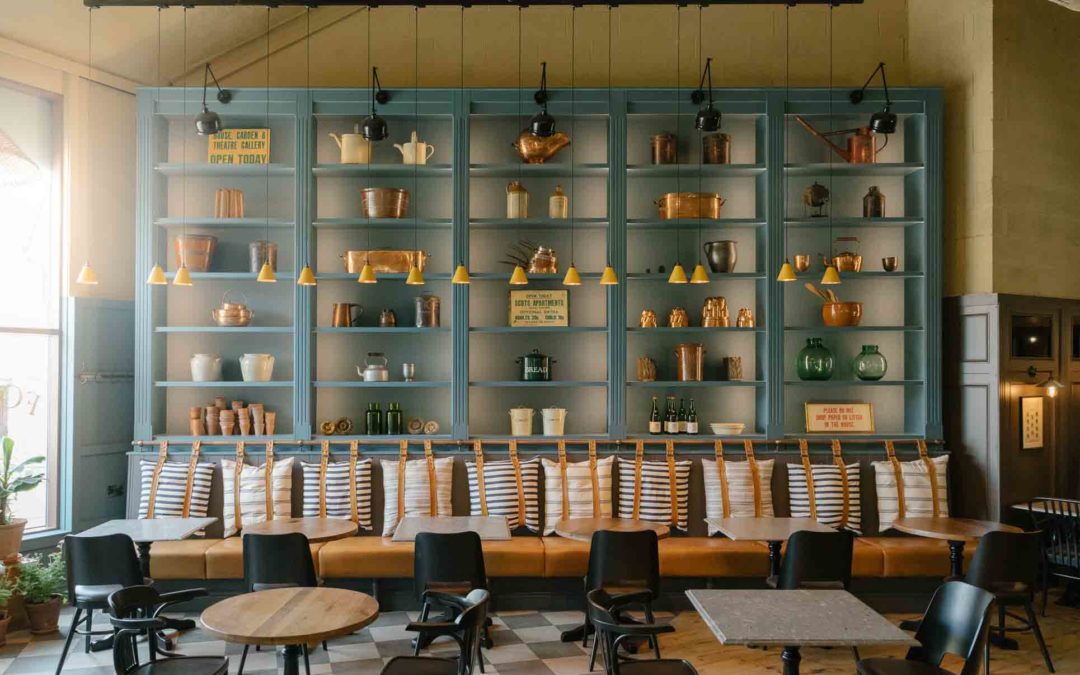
x: 187, y: 665
x: 898, y: 667
x: 656, y: 667
x: 420, y: 665
x: 95, y: 595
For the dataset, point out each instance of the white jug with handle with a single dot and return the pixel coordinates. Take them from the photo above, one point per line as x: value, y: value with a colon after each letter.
x: 355, y: 149
x: 205, y: 368
x: 256, y: 367
x: 415, y: 151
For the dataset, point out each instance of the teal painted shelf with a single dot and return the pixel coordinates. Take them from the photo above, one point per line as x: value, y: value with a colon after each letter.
x: 694, y: 170
x: 539, y: 438
x: 231, y: 276
x: 807, y: 223
x: 693, y: 223
x: 900, y: 274
x: 713, y: 277
x: 699, y: 437
x: 392, y: 384
x: 345, y: 276
x: 381, y: 170
x: 224, y: 170
x: 538, y: 223
x: 552, y: 384
x: 705, y: 383
x: 842, y: 169
x: 388, y: 440
x: 224, y: 384
x: 693, y: 330
x: 505, y: 276
x: 380, y: 330
x: 225, y: 223
x: 227, y: 330
x: 536, y: 170
x: 853, y: 329
x: 524, y: 330
x: 382, y: 223
x: 854, y: 383
x: 176, y: 438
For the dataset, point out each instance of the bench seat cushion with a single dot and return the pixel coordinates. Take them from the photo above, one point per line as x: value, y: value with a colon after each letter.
x: 565, y: 557
x: 225, y: 559
x: 377, y: 557
x: 184, y: 559
x: 713, y: 557
x: 916, y: 556
x: 867, y: 559
x: 517, y: 557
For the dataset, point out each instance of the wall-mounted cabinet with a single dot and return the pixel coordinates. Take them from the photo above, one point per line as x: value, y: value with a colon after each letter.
x: 307, y: 201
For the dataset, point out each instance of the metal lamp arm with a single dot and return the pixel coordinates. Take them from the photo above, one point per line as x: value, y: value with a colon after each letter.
x: 541, y: 95
x: 857, y: 95
x: 698, y: 95
x: 223, y: 95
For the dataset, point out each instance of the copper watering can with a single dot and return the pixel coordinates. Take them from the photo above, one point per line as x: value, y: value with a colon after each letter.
x: 861, y: 146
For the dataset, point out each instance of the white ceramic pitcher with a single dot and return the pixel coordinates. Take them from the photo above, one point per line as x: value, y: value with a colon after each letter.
x: 256, y: 367
x: 205, y: 368
x: 355, y: 149
x: 415, y: 151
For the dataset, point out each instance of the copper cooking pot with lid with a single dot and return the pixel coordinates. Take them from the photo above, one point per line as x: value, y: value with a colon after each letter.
x: 665, y: 148
x: 674, y: 205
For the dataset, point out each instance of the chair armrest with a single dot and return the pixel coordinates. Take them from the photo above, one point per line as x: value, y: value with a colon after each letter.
x: 444, y: 598
x: 176, y: 597
x: 130, y: 626
x: 619, y: 600
x: 631, y: 630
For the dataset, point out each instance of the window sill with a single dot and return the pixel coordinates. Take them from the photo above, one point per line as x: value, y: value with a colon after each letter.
x: 43, y: 540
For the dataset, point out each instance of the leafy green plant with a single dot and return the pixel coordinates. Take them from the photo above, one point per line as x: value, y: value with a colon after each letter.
x: 16, y: 479
x: 7, y: 589
x: 41, y: 577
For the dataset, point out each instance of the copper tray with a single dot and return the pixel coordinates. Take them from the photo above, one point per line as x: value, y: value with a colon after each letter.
x: 384, y: 261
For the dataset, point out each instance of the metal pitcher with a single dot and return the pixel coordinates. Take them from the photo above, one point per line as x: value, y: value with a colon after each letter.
x: 345, y: 314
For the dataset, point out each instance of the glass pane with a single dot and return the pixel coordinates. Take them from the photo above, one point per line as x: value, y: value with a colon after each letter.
x: 28, y: 377
x: 1032, y: 337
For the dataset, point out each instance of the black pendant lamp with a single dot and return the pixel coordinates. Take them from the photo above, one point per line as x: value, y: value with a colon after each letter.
x: 208, y: 122
x: 883, y: 121
x: 542, y: 123
x: 374, y: 127
x: 708, y: 118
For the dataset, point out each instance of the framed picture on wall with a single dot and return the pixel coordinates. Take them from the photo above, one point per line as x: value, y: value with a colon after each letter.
x: 1031, y: 422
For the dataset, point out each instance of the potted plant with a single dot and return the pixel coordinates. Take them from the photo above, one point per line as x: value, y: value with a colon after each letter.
x: 6, y: 590
x: 13, y: 480
x: 42, y: 584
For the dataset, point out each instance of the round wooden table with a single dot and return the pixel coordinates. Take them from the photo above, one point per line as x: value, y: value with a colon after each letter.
x: 956, y: 531
x: 291, y: 617
x: 581, y: 529
x: 315, y: 529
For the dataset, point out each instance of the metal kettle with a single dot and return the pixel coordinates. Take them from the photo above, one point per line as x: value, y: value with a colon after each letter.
x: 372, y: 371
x: 861, y: 146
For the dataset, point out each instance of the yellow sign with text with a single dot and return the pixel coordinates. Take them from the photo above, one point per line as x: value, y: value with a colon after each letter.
x: 840, y: 418
x: 539, y: 308
x: 239, y: 146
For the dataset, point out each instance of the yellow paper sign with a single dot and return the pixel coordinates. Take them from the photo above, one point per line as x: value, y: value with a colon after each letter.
x: 539, y: 308
x: 840, y: 418
x: 239, y: 146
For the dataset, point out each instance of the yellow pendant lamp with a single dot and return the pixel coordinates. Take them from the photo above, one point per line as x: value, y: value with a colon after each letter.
x: 518, y: 278
x: 678, y: 275
x: 157, y: 277
x: 831, y: 276
x: 609, y: 278
x: 183, y: 276
x: 266, y: 274
x: 416, y: 277
x: 87, y: 275
x: 572, y: 277
x: 461, y: 275
x: 699, y: 276
x: 307, y: 277
x: 787, y: 272
x: 367, y: 275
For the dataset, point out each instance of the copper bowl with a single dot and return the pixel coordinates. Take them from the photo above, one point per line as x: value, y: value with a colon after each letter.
x: 841, y: 314
x: 690, y: 205
x: 382, y: 202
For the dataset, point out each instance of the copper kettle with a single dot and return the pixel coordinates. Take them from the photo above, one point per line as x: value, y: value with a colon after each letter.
x: 537, y: 150
x: 861, y: 145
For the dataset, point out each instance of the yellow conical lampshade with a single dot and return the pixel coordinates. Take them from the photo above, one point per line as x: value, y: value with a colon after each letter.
x: 831, y: 276
x: 609, y: 278
x: 787, y: 272
x: 266, y: 274
x: 699, y: 276
x: 183, y: 277
x: 678, y: 275
x: 307, y: 277
x: 461, y: 275
x: 518, y: 278
x: 367, y: 275
x: 572, y: 277
x: 157, y: 277
x: 87, y: 276
x: 416, y: 277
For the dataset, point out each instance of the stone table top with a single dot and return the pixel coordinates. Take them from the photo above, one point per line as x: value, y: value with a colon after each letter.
x: 798, y: 618
x: 952, y: 529
x: 147, y: 530
x: 765, y: 529
x: 490, y: 528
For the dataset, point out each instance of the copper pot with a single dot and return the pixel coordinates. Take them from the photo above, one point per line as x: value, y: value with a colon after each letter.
x: 841, y: 314
x: 690, y: 205
x: 383, y: 202
x: 195, y: 250
x: 665, y: 149
x: 689, y: 362
x: 537, y: 150
x: 716, y: 149
x: 384, y: 261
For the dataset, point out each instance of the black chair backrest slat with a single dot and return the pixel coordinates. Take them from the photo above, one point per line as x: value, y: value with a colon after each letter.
x: 954, y: 623
x: 278, y: 560
x: 129, y: 603
x: 624, y: 558
x: 1059, y: 519
x: 817, y: 557
x: 1006, y: 558
x: 448, y: 558
x: 108, y: 560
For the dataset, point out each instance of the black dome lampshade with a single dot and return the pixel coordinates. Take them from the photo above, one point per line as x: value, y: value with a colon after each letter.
x: 208, y: 122
x: 542, y: 123
x: 708, y: 118
x: 374, y: 127
x: 883, y: 121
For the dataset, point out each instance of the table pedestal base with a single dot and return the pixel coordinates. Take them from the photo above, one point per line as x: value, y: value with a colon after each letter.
x: 291, y: 659
x: 791, y: 658
x: 956, y: 573
x: 774, y: 560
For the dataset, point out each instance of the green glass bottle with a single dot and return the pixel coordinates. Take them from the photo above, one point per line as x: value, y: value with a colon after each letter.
x: 373, y: 420
x: 815, y: 361
x: 671, y: 419
x: 655, y: 424
x: 393, y: 420
x: 691, y: 419
x: 870, y: 364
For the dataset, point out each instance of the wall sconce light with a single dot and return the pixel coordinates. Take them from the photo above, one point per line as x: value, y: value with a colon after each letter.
x: 708, y: 118
x: 1048, y: 383
x: 542, y: 124
x: 884, y: 121
x: 374, y: 128
x: 208, y: 122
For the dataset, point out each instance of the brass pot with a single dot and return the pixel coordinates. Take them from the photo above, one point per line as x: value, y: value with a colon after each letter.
x: 537, y: 150
x: 196, y: 251
x: 690, y: 205
x: 716, y: 149
x: 383, y: 202
x: 384, y: 261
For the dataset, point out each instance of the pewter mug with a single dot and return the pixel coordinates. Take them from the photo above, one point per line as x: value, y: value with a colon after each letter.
x: 721, y: 255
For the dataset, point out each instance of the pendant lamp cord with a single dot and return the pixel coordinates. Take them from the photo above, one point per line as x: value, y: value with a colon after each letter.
x: 787, y: 98
x: 266, y: 208
x: 832, y: 125
x: 416, y: 116
x: 678, y: 109
x: 371, y: 150
x: 183, y: 159
x: 573, y: 124
x: 701, y: 132
x: 89, y: 93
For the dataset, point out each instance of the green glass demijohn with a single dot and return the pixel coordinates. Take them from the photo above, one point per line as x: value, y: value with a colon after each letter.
x: 815, y: 361
x: 870, y: 364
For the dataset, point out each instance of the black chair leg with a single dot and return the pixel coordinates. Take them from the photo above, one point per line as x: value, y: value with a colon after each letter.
x: 1045, y: 585
x: 67, y: 643
x: 1001, y: 619
x: 1030, y: 611
x: 592, y: 654
x: 653, y: 640
x: 855, y: 654
x: 324, y: 647
x: 307, y: 666
x: 89, y: 630
x: 424, y: 611
x: 243, y: 659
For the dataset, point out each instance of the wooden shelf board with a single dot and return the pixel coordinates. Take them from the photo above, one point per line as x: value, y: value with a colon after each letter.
x: 382, y: 223
x: 225, y: 223
x: 843, y: 169
x: 693, y: 170
x: 381, y: 170
x: 224, y: 384
x: 196, y: 169
x: 392, y: 384
x: 226, y: 330
x: 552, y: 384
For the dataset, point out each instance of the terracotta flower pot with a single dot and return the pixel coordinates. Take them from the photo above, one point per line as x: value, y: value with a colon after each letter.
x: 44, y: 616
x: 4, y: 621
x: 11, y: 538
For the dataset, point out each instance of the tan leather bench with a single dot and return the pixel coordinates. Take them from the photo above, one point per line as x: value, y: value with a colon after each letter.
x: 917, y: 556
x: 225, y: 559
x: 713, y: 557
x: 180, y: 559
x: 379, y: 558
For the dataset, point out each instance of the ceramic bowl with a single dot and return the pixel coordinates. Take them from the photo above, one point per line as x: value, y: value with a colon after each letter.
x: 726, y: 428
x: 841, y: 314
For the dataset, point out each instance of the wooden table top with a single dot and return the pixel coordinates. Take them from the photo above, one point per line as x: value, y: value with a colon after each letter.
x: 804, y: 618
x: 315, y: 529
x: 952, y: 529
x: 582, y: 529
x: 147, y: 530
x: 289, y: 616
x: 764, y: 529
x: 490, y: 528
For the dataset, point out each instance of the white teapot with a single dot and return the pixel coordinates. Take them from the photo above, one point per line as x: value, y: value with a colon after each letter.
x: 256, y: 367
x: 355, y: 149
x: 415, y: 151
x: 205, y: 368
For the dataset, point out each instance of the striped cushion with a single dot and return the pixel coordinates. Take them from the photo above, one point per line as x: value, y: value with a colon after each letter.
x: 417, y: 490
x: 172, y: 485
x: 252, y: 493
x: 501, y: 491
x: 655, y: 495
x: 828, y: 494
x: 339, y: 491
x: 579, y: 490
x: 917, y: 492
x: 740, y: 485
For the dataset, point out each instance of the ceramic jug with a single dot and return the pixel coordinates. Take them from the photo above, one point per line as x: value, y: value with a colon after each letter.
x: 415, y: 151
x: 256, y: 367
x: 354, y: 148
x: 517, y: 201
x: 205, y: 368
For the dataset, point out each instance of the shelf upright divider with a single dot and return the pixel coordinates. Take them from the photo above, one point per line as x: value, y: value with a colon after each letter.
x: 616, y: 248
x: 933, y: 256
x: 146, y: 236
x: 303, y: 296
x: 776, y: 236
x: 459, y: 377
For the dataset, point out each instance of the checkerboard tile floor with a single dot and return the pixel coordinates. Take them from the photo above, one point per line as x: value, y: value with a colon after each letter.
x: 526, y: 643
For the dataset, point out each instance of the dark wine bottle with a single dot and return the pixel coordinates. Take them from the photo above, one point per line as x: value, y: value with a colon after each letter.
x: 655, y: 424
x: 691, y: 419
x: 393, y: 420
x: 671, y: 419
x: 682, y: 417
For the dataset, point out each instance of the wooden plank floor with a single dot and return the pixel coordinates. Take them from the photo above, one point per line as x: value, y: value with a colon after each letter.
x: 694, y: 642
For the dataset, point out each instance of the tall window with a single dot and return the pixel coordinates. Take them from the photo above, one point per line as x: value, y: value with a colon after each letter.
x: 30, y: 260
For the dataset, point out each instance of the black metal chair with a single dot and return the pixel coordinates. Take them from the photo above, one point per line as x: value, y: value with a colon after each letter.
x: 96, y: 567
x: 954, y: 623
x: 1059, y: 521
x: 1007, y: 565
x: 446, y: 568
x: 627, y: 566
x: 278, y: 561
x: 135, y: 613
x: 465, y: 629
x: 612, y: 631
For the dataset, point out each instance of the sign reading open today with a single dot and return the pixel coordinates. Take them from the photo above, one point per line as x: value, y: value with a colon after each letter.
x: 239, y: 146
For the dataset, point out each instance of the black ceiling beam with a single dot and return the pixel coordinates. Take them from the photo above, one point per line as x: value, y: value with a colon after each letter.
x: 452, y: 3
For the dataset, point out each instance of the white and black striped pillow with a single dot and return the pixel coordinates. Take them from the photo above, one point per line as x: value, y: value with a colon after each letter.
x: 339, y: 492
x: 740, y: 486
x: 172, y: 486
x: 918, y: 495
x: 579, y: 489
x: 655, y: 503
x: 828, y: 494
x: 417, y: 490
x: 501, y: 492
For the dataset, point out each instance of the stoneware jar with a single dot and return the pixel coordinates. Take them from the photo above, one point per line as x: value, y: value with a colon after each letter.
x: 205, y: 368
x: 256, y: 367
